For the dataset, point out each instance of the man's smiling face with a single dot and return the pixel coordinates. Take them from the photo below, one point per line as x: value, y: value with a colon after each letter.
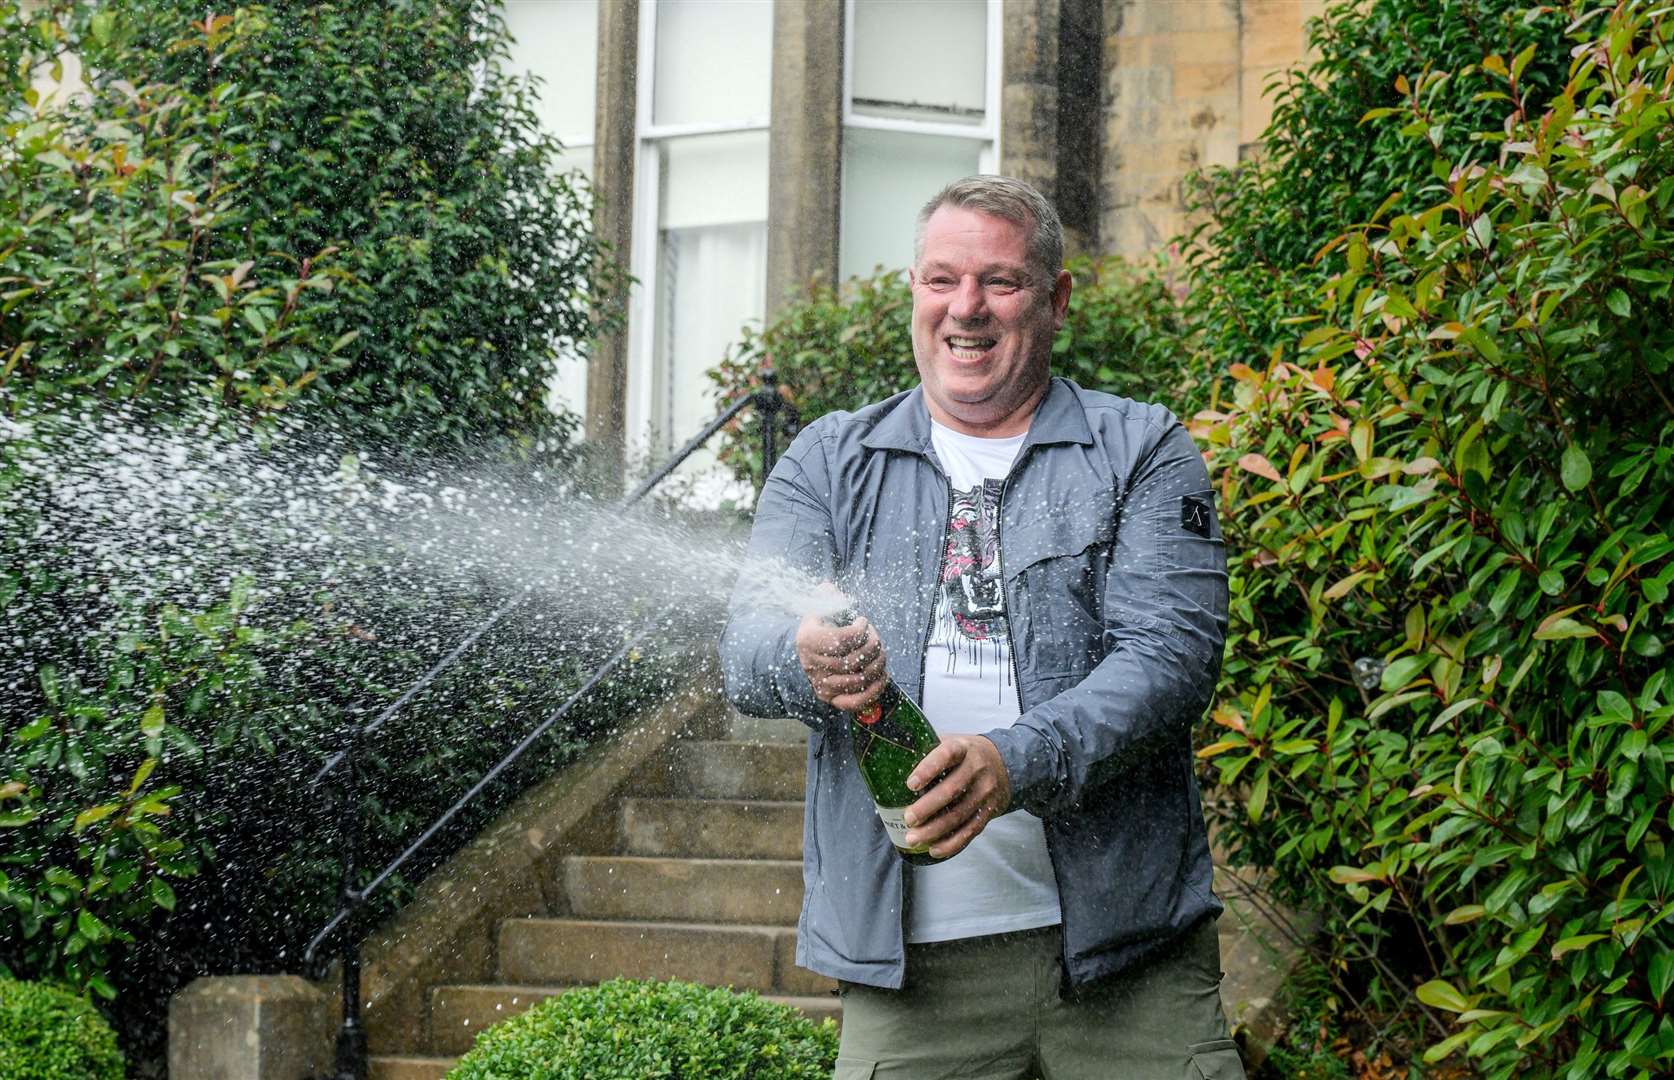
x: 983, y: 321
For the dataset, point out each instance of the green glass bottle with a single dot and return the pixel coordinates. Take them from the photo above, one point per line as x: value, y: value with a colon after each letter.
x: 891, y: 736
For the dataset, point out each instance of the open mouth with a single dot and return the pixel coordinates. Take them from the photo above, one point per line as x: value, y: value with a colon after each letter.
x: 969, y: 348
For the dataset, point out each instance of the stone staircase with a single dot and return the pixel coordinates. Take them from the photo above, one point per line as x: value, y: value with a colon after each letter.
x: 698, y: 878
x: 694, y: 872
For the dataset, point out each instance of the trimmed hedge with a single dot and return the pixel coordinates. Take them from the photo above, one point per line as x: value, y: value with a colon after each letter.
x: 640, y: 1030
x: 51, y: 1034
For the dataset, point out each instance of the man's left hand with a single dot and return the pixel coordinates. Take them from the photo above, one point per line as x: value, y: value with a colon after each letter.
x: 974, y: 791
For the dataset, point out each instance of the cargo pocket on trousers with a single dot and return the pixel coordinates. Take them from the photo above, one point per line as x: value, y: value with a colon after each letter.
x: 1217, y: 1060
x: 855, y: 1069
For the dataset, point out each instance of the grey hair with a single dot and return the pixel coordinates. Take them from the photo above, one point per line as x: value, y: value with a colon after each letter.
x: 1010, y: 199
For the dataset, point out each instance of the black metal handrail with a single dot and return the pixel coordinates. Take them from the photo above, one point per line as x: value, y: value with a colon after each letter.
x: 351, y: 1059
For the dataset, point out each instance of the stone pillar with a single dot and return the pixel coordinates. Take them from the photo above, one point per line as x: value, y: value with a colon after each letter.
x: 1050, y: 116
x: 250, y: 1027
x: 614, y: 149
x: 805, y: 149
x: 1029, y: 94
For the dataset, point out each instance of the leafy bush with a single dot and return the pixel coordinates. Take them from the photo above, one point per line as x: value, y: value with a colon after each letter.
x: 638, y: 1030
x: 1446, y: 699
x: 120, y: 268
x: 394, y: 132
x: 51, y: 1034
x: 344, y: 214
x: 842, y: 349
x: 1322, y: 170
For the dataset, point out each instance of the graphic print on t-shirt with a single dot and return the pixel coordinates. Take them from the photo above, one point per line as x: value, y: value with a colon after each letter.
x: 971, y: 618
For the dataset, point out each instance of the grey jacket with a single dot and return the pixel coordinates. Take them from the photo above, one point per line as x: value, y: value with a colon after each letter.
x: 1115, y: 590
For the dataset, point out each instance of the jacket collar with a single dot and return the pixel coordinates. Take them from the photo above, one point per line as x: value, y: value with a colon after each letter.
x: 1059, y: 418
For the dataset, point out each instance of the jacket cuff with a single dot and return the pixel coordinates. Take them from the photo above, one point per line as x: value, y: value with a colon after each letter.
x: 1029, y: 767
x: 795, y: 689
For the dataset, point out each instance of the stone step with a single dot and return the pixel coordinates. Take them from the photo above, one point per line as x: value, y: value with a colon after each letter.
x: 570, y: 951
x: 735, y: 770
x: 713, y: 828
x: 758, y: 729
x: 458, y: 1014
x: 761, y: 891
x: 391, y: 1067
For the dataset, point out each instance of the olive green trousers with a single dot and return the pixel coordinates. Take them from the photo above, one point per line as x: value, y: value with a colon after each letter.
x: 989, y: 1008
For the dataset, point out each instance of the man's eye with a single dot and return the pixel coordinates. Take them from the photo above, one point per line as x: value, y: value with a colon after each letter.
x: 1002, y: 284
x: 941, y: 282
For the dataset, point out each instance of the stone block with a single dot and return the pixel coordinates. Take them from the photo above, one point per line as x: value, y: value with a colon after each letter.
x: 685, y: 890
x: 1215, y: 77
x: 1272, y: 33
x: 736, y: 770
x: 712, y: 828
x: 250, y: 1027
x: 547, y: 952
x: 1162, y: 16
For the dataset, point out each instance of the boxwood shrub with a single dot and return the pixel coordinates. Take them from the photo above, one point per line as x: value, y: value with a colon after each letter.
x: 641, y: 1030
x: 51, y: 1034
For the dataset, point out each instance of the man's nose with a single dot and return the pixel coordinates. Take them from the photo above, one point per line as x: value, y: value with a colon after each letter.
x: 969, y: 301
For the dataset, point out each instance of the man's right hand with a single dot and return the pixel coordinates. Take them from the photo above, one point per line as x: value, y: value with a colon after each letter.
x: 844, y: 663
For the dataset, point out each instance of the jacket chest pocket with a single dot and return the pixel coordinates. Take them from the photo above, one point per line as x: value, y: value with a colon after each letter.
x: 1057, y: 554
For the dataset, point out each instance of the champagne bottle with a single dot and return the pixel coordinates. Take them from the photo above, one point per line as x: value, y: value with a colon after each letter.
x: 891, y: 736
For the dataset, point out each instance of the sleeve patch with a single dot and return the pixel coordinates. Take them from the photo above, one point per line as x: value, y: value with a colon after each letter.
x: 1195, y: 515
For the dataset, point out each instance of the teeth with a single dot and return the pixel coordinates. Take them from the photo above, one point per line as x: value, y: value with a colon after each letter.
x: 970, y: 343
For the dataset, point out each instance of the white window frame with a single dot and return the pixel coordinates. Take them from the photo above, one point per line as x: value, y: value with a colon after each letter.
x: 988, y: 130
x: 642, y: 307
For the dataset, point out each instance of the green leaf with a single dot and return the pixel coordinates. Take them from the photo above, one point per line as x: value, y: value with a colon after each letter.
x: 1575, y: 944
x: 1661, y: 974
x: 1562, y: 628
x: 162, y: 894
x: 1577, y: 470
x: 1619, y: 304
x: 1258, y: 794
x: 95, y: 814
x: 89, y: 926
x: 1447, y: 1046
x: 1402, y: 672
x: 1440, y: 994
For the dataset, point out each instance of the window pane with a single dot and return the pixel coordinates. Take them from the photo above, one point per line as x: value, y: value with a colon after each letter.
x: 711, y: 280
x: 714, y: 179
x: 711, y: 272
x: 887, y: 177
x: 558, y: 40
x: 714, y: 62
x: 920, y: 59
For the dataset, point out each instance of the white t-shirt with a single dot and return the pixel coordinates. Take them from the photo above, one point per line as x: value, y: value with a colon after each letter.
x: 1003, y: 880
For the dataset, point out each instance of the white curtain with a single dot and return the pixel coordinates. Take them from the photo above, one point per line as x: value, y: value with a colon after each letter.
x: 713, y: 279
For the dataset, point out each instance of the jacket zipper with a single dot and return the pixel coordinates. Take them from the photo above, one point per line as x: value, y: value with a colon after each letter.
x: 923, y: 663
x: 1017, y: 681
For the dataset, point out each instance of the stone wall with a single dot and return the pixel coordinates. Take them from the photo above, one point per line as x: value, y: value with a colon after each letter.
x: 1183, y: 90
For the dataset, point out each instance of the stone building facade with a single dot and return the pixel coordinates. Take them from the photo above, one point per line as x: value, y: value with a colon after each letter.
x: 742, y: 149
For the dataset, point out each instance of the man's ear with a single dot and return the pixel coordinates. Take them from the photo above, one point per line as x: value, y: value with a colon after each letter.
x: 1061, y: 286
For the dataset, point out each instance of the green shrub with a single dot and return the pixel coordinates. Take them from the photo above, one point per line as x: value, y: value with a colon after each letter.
x: 122, y: 270
x: 636, y: 1030
x: 843, y: 349
x: 1323, y: 170
x: 338, y: 221
x: 395, y: 132
x: 1446, y: 490
x: 51, y: 1034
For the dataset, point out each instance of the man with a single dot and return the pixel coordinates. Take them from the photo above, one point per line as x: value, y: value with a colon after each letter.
x: 1040, y: 566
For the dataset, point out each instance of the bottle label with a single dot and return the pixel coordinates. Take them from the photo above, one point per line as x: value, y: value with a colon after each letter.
x: 895, y: 824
